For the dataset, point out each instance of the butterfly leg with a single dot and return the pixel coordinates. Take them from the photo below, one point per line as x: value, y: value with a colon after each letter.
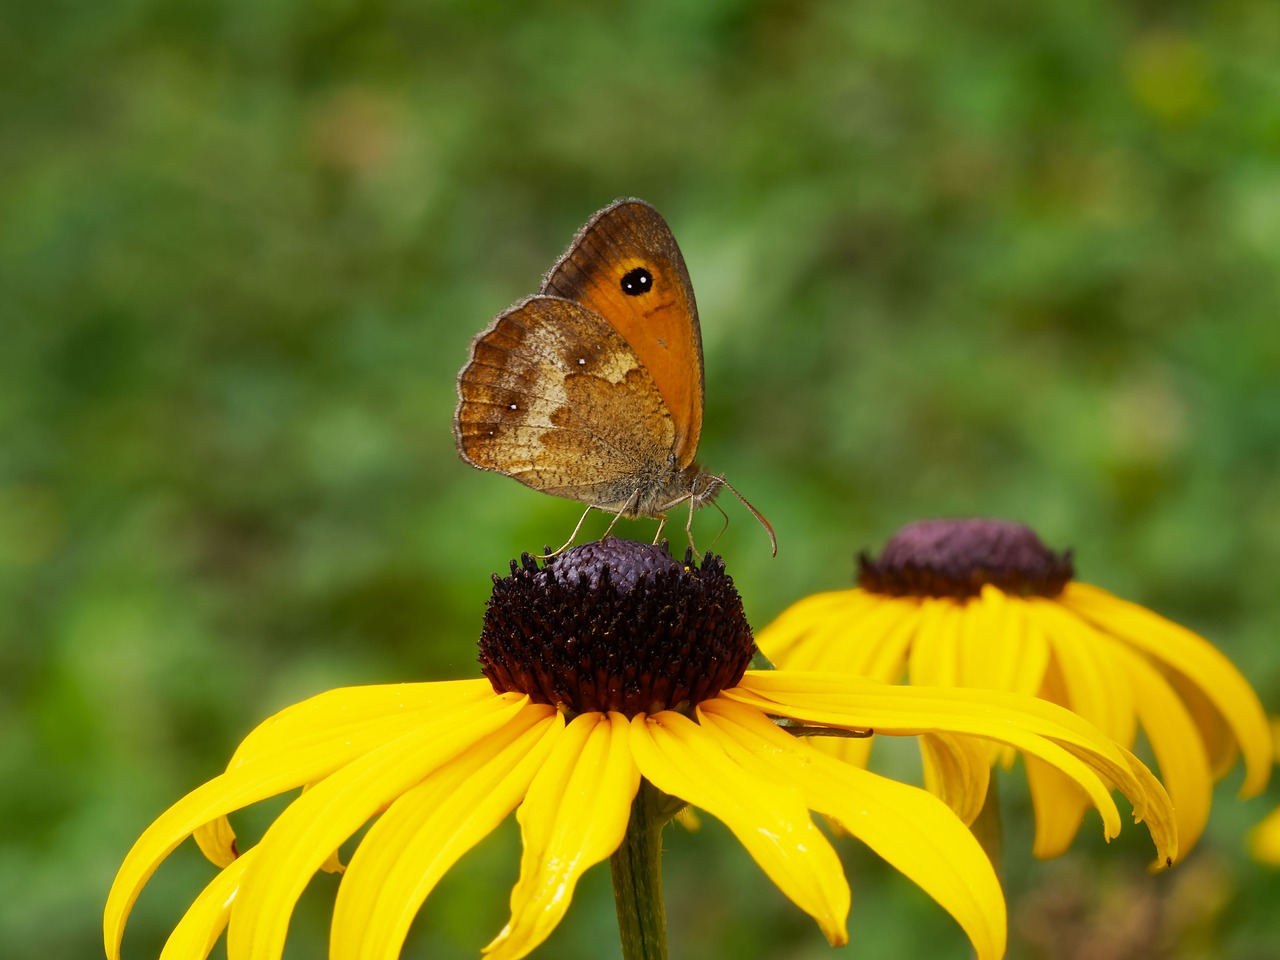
x: 662, y: 522
x: 688, y: 529
x: 572, y: 537
x: 634, y: 498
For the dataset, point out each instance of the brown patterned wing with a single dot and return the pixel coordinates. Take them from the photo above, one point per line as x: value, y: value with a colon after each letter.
x: 625, y: 266
x: 554, y: 397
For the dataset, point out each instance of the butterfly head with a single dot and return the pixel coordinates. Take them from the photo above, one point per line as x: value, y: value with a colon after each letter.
x: 704, y: 489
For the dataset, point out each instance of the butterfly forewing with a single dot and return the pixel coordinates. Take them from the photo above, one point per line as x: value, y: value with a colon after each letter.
x: 554, y: 397
x: 625, y: 266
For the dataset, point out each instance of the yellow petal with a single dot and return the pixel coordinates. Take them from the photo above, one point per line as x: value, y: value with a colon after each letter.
x: 1034, y: 726
x: 766, y: 814
x: 850, y: 631
x: 333, y: 863
x: 1158, y: 814
x: 318, y: 821
x: 1218, y: 738
x: 795, y: 630
x: 263, y: 775
x: 1196, y: 659
x: 998, y: 651
x: 865, y: 634
x: 957, y: 771
x: 423, y: 833
x: 1264, y: 841
x: 574, y: 815
x: 1095, y: 682
x: 217, y: 841
x: 1059, y: 805
x: 1184, y: 764
x: 885, y: 651
x: 1001, y: 652
x: 934, y: 659
x: 354, y: 719
x: 688, y: 818
x: 911, y: 829
x: 301, y: 744
x: 984, y: 647
x: 206, y: 805
x: 206, y: 918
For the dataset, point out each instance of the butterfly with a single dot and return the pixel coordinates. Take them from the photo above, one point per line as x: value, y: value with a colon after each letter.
x: 593, y: 388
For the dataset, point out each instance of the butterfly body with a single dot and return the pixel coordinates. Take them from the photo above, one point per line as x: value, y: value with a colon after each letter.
x: 593, y: 388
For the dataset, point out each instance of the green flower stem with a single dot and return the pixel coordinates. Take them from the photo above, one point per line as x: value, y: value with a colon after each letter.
x: 637, y: 880
x: 988, y: 827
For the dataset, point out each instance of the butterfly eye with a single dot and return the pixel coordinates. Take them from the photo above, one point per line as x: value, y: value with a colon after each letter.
x: 637, y: 281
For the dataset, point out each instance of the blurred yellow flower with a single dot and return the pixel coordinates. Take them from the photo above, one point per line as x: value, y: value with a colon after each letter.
x: 1264, y: 841
x: 983, y: 603
x: 628, y: 665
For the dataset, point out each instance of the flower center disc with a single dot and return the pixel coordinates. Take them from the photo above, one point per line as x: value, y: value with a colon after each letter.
x: 615, y: 625
x: 956, y: 558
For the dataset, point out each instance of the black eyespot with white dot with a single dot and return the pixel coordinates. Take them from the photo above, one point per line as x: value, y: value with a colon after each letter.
x: 637, y: 281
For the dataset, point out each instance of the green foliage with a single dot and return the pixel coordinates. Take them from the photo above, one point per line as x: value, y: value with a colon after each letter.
x: 952, y: 259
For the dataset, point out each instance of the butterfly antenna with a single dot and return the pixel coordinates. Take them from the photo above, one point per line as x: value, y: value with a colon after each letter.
x: 722, y: 529
x: 768, y: 527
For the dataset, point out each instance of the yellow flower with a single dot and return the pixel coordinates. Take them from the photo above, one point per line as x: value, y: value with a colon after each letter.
x: 983, y: 603
x: 610, y: 664
x: 1264, y: 842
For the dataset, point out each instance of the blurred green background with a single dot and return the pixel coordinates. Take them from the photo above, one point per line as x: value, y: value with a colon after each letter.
x: 952, y: 259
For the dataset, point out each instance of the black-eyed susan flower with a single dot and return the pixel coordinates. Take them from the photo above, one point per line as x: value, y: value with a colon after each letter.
x: 610, y: 670
x: 983, y: 603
